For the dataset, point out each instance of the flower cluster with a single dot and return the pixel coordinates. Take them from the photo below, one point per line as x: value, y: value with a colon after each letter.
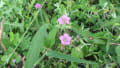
x: 64, y: 19
x: 65, y: 39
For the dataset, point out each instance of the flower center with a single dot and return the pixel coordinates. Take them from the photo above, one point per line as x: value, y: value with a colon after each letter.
x: 65, y: 39
x: 63, y: 20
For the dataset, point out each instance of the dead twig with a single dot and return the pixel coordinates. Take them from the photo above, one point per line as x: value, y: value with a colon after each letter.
x: 3, y: 46
x: 1, y: 32
x: 115, y: 44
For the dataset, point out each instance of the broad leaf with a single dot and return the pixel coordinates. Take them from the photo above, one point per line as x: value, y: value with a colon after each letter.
x: 51, y: 38
x: 59, y: 55
x: 37, y: 46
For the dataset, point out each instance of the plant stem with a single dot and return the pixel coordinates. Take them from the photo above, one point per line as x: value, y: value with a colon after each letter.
x: 25, y: 32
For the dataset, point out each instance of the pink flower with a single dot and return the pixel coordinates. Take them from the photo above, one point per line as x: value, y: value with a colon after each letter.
x: 64, y: 19
x: 37, y: 5
x: 14, y: 60
x: 65, y: 39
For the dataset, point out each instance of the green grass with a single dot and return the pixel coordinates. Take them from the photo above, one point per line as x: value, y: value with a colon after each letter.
x: 31, y: 36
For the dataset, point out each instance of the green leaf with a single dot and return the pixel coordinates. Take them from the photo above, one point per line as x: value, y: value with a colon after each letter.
x: 107, y: 46
x: 117, y: 50
x: 103, y: 3
x: 98, y: 41
x: 67, y: 57
x: 51, y: 37
x: 37, y: 46
x: 77, y: 52
x: 95, y: 66
x: 6, y: 58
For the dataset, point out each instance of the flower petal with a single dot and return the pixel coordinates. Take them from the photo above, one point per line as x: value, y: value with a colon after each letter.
x: 63, y: 42
x: 67, y: 20
x: 60, y: 21
x: 69, y: 38
x: 61, y: 37
x: 66, y: 35
x: 67, y: 43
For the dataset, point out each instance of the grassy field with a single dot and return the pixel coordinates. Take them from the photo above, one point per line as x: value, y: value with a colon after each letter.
x: 59, y: 33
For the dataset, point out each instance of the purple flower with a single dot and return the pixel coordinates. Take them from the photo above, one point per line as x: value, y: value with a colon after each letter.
x: 64, y: 19
x: 37, y: 5
x: 65, y: 39
x: 14, y: 60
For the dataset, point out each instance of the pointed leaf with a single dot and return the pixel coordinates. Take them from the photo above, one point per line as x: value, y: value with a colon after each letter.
x: 37, y: 46
x: 59, y: 55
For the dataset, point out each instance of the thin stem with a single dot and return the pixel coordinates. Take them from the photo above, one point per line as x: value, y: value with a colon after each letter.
x: 2, y: 45
x: 26, y: 31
